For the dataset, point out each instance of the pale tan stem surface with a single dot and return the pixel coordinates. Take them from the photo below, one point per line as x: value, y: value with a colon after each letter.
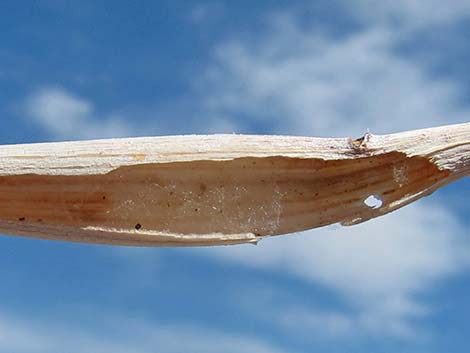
x: 218, y: 189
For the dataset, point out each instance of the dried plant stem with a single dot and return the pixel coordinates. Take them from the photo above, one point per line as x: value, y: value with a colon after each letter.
x: 218, y: 189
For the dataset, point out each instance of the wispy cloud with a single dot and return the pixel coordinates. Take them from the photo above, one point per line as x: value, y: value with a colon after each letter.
x: 20, y: 336
x: 378, y: 267
x: 67, y: 116
x: 305, y: 82
x: 407, y: 14
x: 206, y: 13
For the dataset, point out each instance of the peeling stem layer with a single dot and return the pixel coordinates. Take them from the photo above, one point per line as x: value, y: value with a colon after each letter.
x: 218, y: 189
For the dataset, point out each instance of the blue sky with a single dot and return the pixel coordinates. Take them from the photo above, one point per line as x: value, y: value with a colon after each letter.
x: 90, y: 69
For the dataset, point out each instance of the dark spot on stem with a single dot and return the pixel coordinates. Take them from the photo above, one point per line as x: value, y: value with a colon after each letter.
x: 21, y: 219
x: 138, y: 226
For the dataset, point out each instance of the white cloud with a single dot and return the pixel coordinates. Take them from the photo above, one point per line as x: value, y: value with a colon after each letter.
x: 302, y: 82
x: 411, y: 13
x: 19, y: 336
x: 66, y: 116
x: 204, y: 13
x: 379, y: 266
x: 303, y: 322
